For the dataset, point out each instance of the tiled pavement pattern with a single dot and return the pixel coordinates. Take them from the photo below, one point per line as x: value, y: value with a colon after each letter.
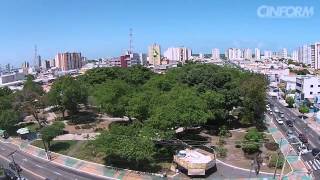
x: 85, y: 166
x: 299, y: 169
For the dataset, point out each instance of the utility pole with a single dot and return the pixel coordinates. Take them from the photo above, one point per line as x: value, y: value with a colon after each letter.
x: 275, y: 170
x: 284, y: 162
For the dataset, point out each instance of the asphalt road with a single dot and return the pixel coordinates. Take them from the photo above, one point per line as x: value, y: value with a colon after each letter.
x: 35, y: 168
x: 299, y: 126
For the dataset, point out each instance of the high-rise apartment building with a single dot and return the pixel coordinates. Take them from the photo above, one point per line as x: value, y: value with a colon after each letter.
x: 234, y: 54
x: 215, y: 53
x: 179, y: 54
x: 316, y: 58
x: 67, y: 61
x: 284, y: 53
x: 257, y: 53
x: 304, y: 54
x: 294, y: 55
x: 267, y: 54
x: 247, y: 54
x: 154, y: 54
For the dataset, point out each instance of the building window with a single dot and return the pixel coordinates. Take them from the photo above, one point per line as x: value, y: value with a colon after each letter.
x: 319, y: 85
x: 311, y: 92
x: 318, y: 92
x: 311, y: 86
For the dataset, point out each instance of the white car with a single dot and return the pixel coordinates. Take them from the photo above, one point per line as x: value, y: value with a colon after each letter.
x: 279, y: 120
x: 276, y: 110
x: 303, y: 149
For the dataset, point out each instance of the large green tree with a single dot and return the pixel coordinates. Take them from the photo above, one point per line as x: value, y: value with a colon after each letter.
x: 31, y: 99
x: 48, y: 133
x: 67, y: 93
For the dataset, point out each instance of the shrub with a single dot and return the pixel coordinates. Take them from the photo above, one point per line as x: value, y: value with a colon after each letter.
x: 221, y: 151
x: 250, y: 147
x: 272, y: 146
x: 238, y: 146
x: 273, y: 161
x: 77, y: 127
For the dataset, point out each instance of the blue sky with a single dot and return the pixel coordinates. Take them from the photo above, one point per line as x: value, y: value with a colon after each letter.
x: 100, y: 28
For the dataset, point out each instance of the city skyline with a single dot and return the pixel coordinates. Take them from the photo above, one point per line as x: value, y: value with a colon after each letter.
x: 101, y: 29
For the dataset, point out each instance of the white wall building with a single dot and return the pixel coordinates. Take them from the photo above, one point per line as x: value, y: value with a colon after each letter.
x: 267, y: 54
x: 315, y: 57
x: 215, y: 53
x: 307, y: 87
x: 284, y: 53
x: 294, y: 55
x: 257, y: 53
x: 12, y: 77
x: 234, y: 54
x: 179, y: 54
x: 247, y: 54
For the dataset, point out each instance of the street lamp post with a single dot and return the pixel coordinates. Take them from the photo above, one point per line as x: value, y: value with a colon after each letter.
x: 275, y: 170
x: 14, y: 163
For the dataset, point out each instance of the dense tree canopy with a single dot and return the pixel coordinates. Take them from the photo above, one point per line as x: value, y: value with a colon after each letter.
x: 187, y: 96
x: 67, y: 93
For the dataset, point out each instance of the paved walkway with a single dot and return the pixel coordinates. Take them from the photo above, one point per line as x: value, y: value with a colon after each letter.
x: 299, y: 170
x: 84, y: 166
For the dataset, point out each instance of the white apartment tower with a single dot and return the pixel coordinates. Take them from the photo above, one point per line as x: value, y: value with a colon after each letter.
x: 316, y: 56
x: 284, y: 53
x: 247, y: 54
x: 294, y: 55
x: 179, y: 54
x: 234, y: 54
x: 215, y: 53
x: 257, y: 54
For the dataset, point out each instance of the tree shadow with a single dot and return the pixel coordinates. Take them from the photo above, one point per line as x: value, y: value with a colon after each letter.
x: 82, y: 117
x: 59, y: 146
x: 122, y: 163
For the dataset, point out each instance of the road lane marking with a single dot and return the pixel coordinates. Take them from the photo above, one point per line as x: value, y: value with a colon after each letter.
x: 307, y: 163
x: 25, y: 169
x: 38, y: 166
x: 57, y: 173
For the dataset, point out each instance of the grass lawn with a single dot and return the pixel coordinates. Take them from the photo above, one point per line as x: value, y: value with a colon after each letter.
x: 78, y: 149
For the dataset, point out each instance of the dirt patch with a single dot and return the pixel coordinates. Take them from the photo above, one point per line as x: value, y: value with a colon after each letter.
x: 236, y: 156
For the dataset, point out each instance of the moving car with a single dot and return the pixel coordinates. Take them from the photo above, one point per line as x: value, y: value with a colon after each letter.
x: 303, y: 138
x: 289, y: 123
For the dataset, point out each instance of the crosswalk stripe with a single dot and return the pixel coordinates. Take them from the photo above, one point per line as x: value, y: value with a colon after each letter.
x: 313, y: 166
x: 307, y: 163
x: 317, y: 163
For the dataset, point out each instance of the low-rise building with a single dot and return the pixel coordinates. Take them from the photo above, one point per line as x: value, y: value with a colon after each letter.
x: 307, y: 87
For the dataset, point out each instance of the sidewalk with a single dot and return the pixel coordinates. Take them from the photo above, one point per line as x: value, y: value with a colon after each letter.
x: 84, y: 166
x: 299, y: 170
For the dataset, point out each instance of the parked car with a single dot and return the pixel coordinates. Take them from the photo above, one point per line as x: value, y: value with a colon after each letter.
x: 289, y: 123
x: 303, y: 149
x: 15, y: 167
x: 315, y: 151
x: 303, y: 138
x: 10, y: 174
x: 276, y: 110
x: 279, y: 120
x: 289, y: 133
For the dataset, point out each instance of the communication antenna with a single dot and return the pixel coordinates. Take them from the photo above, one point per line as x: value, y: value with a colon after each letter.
x: 130, y: 40
x: 35, y: 55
